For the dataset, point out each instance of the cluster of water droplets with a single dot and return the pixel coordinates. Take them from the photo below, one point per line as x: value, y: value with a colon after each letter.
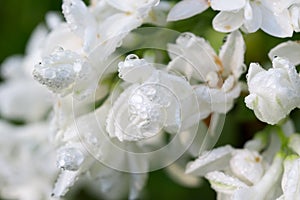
x: 59, y: 70
x: 69, y: 158
x: 147, y: 109
x: 73, y: 10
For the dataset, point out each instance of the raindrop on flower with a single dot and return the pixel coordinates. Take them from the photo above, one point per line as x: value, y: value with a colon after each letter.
x: 70, y: 159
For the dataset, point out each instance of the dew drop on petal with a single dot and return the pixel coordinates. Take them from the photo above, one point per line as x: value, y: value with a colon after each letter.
x: 70, y: 159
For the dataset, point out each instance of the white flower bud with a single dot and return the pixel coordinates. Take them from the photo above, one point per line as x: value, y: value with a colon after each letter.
x: 273, y: 93
x: 62, y: 70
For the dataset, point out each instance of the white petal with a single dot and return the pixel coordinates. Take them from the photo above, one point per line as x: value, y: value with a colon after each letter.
x: 224, y: 183
x: 65, y: 180
x: 24, y: 100
x: 228, y: 21
x: 295, y: 17
x: 36, y: 40
x: 61, y: 37
x: 277, y: 25
x: 232, y: 55
x: 279, y: 5
x: 135, y: 70
x: 196, y: 66
x: 177, y: 174
x: 228, y: 5
x: 265, y: 187
x: 290, y: 180
x: 252, y: 21
x: 217, y: 159
x: 289, y: 50
x: 123, y: 5
x: 247, y: 166
x: 140, y: 6
x: 258, y: 143
x: 187, y: 8
x: 53, y: 19
x: 137, y: 183
x: 11, y: 67
x: 218, y: 100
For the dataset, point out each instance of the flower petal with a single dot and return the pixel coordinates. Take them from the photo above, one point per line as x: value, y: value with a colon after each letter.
x: 224, y: 183
x: 228, y: 5
x: 253, y: 17
x: 187, y: 8
x: 217, y: 159
x: 247, y: 166
x: 232, y: 55
x: 290, y: 181
x: 228, y: 21
x: 289, y: 50
x: 265, y: 188
x: 278, y: 25
x: 65, y: 180
x: 190, y: 47
x: 135, y: 70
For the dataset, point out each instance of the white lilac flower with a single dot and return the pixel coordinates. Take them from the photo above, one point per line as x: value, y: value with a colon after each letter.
x: 279, y: 94
x: 63, y: 70
x: 230, y: 170
x: 239, y: 172
x: 85, y: 147
x: 217, y: 75
x: 21, y: 145
x: 272, y: 17
x: 261, y: 170
x: 21, y: 97
x: 105, y: 21
x: 155, y: 101
x: 73, y: 58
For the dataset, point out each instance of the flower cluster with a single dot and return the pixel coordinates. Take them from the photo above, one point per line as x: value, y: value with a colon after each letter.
x: 105, y: 116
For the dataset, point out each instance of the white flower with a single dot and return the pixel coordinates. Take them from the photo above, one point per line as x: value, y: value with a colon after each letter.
x: 105, y: 21
x: 231, y: 171
x: 155, y: 101
x: 238, y: 173
x: 278, y: 95
x: 272, y: 17
x: 21, y: 145
x: 85, y: 146
x: 21, y: 97
x: 218, y: 74
x: 63, y: 71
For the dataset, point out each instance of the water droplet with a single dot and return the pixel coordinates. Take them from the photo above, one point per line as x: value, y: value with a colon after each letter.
x: 70, y: 159
x: 131, y: 57
x: 77, y: 67
x: 49, y: 74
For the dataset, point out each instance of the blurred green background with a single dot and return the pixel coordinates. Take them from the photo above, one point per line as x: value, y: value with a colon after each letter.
x: 19, y: 18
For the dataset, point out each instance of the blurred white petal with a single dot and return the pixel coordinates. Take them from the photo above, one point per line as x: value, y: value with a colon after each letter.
x: 228, y: 5
x: 187, y: 8
x: 232, y: 54
x: 228, y: 21
x: 209, y: 161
